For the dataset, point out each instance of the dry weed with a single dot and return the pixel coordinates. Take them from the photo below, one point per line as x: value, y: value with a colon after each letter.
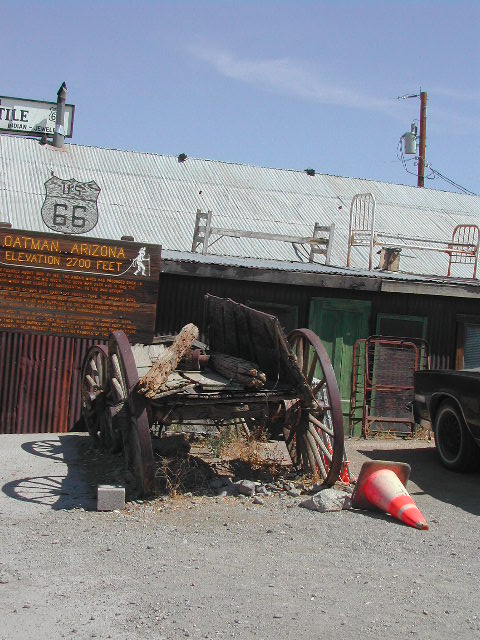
x: 180, y: 474
x: 237, y: 451
x: 253, y: 452
x: 420, y: 433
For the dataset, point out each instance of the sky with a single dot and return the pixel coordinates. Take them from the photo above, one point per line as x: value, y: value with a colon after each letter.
x: 286, y: 84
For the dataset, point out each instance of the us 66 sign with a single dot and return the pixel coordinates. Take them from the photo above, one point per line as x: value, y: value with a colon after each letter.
x: 70, y: 206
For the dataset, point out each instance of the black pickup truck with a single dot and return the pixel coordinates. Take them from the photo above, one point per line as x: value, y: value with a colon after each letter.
x: 449, y: 402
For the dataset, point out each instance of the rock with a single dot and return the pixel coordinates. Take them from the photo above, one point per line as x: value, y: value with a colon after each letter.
x: 349, y: 488
x: 262, y: 490
x: 328, y: 500
x: 294, y: 493
x: 246, y: 487
x: 258, y: 500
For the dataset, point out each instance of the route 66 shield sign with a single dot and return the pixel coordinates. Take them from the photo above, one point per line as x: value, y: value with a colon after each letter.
x: 70, y: 206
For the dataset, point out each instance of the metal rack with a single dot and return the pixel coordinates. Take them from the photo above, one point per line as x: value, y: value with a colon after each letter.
x: 382, y: 383
x: 461, y: 249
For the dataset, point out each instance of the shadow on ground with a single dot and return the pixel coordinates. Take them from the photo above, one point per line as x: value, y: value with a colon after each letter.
x: 81, y: 470
x: 458, y: 489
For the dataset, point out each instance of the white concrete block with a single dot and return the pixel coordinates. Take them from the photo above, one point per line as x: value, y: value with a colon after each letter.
x: 110, y: 497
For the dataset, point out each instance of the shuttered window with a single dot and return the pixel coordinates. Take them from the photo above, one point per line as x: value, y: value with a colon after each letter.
x: 401, y: 326
x: 471, y: 354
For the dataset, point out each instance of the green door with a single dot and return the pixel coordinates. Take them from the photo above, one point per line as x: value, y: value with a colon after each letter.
x: 339, y: 324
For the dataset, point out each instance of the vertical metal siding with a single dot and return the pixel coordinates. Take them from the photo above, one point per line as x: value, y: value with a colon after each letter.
x: 40, y: 382
x: 181, y: 301
x: 441, y: 314
x: 10, y: 346
x: 181, y: 298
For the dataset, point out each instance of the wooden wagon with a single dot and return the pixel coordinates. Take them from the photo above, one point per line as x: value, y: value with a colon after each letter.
x: 294, y: 393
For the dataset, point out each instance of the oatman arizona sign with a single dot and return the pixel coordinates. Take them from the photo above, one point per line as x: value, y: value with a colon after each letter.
x: 33, y: 117
x: 77, y: 286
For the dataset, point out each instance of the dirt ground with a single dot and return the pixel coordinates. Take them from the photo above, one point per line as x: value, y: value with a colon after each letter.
x: 223, y: 567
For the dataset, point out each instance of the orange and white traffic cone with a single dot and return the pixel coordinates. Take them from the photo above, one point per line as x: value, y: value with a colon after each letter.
x: 381, y: 485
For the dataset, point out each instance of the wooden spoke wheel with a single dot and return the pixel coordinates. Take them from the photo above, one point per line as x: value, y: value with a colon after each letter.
x: 313, y: 431
x: 94, y: 393
x: 130, y: 413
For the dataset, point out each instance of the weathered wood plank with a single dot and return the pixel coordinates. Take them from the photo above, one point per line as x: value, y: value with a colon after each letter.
x: 167, y: 361
x: 210, y: 380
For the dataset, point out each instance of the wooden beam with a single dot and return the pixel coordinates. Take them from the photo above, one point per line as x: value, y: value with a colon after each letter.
x: 239, y: 233
x: 460, y: 290
x: 354, y: 282
x: 258, y: 274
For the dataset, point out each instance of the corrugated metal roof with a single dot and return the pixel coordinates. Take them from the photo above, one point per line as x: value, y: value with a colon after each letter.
x: 155, y: 198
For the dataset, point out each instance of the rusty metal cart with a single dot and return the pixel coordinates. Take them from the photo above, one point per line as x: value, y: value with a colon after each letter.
x: 299, y: 400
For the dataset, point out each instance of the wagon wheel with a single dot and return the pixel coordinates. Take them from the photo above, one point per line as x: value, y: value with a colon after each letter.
x: 94, y: 395
x: 314, y: 434
x: 131, y: 416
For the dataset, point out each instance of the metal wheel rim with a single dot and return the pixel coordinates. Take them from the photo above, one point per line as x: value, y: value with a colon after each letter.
x: 314, y: 435
x: 132, y: 417
x: 449, y: 437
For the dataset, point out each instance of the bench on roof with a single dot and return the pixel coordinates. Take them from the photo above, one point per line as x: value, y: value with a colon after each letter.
x: 320, y: 243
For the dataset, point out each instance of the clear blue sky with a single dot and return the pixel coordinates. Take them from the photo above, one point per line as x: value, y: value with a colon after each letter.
x: 291, y: 85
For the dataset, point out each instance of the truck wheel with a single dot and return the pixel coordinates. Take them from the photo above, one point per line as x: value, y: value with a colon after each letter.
x: 455, y: 445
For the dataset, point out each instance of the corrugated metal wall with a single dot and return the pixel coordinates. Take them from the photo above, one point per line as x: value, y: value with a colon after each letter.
x: 441, y: 314
x: 181, y: 301
x: 180, y: 298
x: 40, y: 382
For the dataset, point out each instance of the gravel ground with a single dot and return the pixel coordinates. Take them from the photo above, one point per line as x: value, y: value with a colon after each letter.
x: 209, y: 567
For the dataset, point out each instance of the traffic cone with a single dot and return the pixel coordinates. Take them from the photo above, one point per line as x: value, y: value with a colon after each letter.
x: 381, y: 485
x: 345, y: 474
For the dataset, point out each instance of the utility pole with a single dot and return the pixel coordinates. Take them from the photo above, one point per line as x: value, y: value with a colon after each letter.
x: 423, y: 136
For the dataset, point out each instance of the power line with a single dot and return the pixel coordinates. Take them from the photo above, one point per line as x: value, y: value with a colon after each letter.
x: 433, y: 172
x: 450, y: 181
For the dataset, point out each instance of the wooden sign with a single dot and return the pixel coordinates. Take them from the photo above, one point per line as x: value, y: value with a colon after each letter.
x: 77, y: 286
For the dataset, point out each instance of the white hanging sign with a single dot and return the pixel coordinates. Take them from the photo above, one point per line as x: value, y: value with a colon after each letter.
x: 32, y: 117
